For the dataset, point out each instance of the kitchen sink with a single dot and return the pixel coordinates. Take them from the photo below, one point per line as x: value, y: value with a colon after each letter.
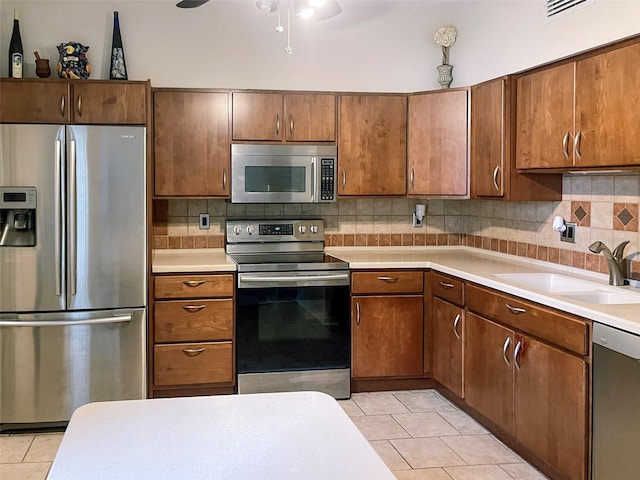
x: 604, y: 297
x: 548, y: 282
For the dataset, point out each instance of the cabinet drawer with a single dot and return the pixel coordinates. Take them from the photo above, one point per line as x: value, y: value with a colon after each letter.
x: 545, y: 323
x: 446, y: 287
x: 193, y: 363
x: 387, y: 282
x: 193, y: 286
x: 189, y: 321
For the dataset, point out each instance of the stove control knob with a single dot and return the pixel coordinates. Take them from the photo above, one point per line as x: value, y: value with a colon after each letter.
x: 302, y: 229
x: 314, y: 229
x: 237, y: 230
x: 250, y: 230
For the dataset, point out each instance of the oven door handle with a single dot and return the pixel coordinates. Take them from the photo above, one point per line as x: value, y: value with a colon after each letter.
x: 267, y: 281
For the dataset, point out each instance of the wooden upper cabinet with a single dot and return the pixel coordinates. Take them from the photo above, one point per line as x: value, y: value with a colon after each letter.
x: 493, y: 171
x: 34, y: 101
x: 372, y: 145
x: 607, y: 106
x: 489, y: 138
x: 581, y: 114
x: 310, y: 117
x: 281, y: 117
x: 257, y: 116
x: 438, y: 161
x: 108, y: 103
x: 191, y: 138
x: 83, y: 102
x: 544, y: 120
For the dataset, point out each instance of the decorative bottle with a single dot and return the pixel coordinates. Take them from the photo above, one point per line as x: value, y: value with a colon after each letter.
x: 118, y: 69
x: 15, y: 50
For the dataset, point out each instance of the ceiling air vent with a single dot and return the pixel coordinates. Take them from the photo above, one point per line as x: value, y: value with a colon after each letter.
x: 562, y: 7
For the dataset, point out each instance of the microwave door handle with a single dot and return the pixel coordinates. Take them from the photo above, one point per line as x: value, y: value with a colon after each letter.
x: 314, y: 175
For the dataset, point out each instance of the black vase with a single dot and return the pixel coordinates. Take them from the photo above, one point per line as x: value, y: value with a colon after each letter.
x: 118, y: 69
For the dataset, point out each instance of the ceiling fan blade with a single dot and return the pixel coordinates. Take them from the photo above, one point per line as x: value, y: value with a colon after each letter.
x: 190, y: 3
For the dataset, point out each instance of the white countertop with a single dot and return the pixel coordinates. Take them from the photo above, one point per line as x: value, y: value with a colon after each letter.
x: 480, y: 266
x: 472, y: 264
x: 270, y: 436
x: 191, y: 261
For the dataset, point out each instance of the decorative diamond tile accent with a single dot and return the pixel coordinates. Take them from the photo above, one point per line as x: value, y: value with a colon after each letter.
x: 580, y: 213
x: 625, y: 217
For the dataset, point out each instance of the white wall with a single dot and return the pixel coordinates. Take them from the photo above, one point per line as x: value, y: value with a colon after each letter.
x: 371, y: 46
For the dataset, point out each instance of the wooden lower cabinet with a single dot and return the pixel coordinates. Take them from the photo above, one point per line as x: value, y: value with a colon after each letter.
x: 535, y: 392
x: 488, y: 374
x: 387, y: 336
x: 192, y: 334
x: 193, y: 363
x: 551, y: 415
x: 448, y: 328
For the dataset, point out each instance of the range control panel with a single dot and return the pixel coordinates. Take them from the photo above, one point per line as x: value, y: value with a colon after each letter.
x: 243, y: 231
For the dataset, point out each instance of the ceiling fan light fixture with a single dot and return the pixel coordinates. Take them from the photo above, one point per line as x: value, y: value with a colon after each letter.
x: 267, y: 6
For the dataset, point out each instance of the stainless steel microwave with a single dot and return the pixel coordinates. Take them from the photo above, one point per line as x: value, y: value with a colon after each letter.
x: 283, y: 173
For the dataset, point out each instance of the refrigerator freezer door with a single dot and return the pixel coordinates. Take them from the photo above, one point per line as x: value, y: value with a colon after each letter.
x: 54, y: 363
x: 33, y: 156
x: 106, y: 210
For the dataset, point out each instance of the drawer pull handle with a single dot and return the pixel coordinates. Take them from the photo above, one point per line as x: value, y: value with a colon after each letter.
x: 505, y: 347
x: 357, y: 313
x: 515, y: 310
x: 63, y: 104
x: 193, y: 308
x: 446, y: 285
x: 389, y: 279
x: 192, y: 352
x: 496, y: 171
x: 565, y: 145
x: 516, y: 352
x: 456, y: 321
x: 193, y: 283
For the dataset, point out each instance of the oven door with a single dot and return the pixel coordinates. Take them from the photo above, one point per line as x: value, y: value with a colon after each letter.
x: 274, y: 179
x: 293, y: 333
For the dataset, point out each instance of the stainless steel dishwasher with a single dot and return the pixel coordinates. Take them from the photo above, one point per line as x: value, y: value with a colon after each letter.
x: 616, y: 404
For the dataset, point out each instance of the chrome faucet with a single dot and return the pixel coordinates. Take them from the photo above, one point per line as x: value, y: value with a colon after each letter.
x: 614, y: 261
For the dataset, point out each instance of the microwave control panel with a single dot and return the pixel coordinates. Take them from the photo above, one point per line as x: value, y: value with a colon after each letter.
x: 327, y: 179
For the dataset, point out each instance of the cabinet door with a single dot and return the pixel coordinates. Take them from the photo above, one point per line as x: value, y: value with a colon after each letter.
x: 258, y: 116
x: 437, y: 145
x: 488, y: 370
x: 34, y: 101
x: 310, y: 118
x: 372, y: 145
x: 448, y: 328
x: 488, y: 141
x: 387, y: 338
x: 191, y: 138
x: 107, y: 103
x: 607, y: 106
x: 544, y: 118
x: 551, y: 415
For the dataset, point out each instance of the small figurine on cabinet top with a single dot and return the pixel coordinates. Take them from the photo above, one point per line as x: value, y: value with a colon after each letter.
x: 73, y: 61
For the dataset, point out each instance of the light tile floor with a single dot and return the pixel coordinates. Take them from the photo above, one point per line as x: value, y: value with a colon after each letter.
x: 422, y: 436
x: 419, y: 434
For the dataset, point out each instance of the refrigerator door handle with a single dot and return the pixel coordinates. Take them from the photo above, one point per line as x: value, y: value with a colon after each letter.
x: 65, y: 323
x: 57, y: 201
x: 73, y: 260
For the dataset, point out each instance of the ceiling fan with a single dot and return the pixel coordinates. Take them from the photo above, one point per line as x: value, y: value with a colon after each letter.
x: 190, y: 3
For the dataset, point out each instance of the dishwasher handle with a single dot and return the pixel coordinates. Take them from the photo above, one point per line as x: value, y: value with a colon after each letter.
x: 626, y: 343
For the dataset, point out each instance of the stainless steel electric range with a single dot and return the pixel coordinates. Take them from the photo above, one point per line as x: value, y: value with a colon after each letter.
x: 292, y: 308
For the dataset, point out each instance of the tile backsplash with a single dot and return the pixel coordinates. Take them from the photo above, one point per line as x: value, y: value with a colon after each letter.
x: 605, y: 207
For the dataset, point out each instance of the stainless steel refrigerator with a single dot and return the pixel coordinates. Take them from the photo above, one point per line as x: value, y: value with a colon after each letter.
x: 73, y: 269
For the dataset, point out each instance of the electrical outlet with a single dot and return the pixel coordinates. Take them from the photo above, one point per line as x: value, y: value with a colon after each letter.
x: 569, y: 235
x: 204, y: 221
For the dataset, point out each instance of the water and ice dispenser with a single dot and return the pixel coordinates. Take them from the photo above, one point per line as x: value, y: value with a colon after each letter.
x: 17, y: 216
